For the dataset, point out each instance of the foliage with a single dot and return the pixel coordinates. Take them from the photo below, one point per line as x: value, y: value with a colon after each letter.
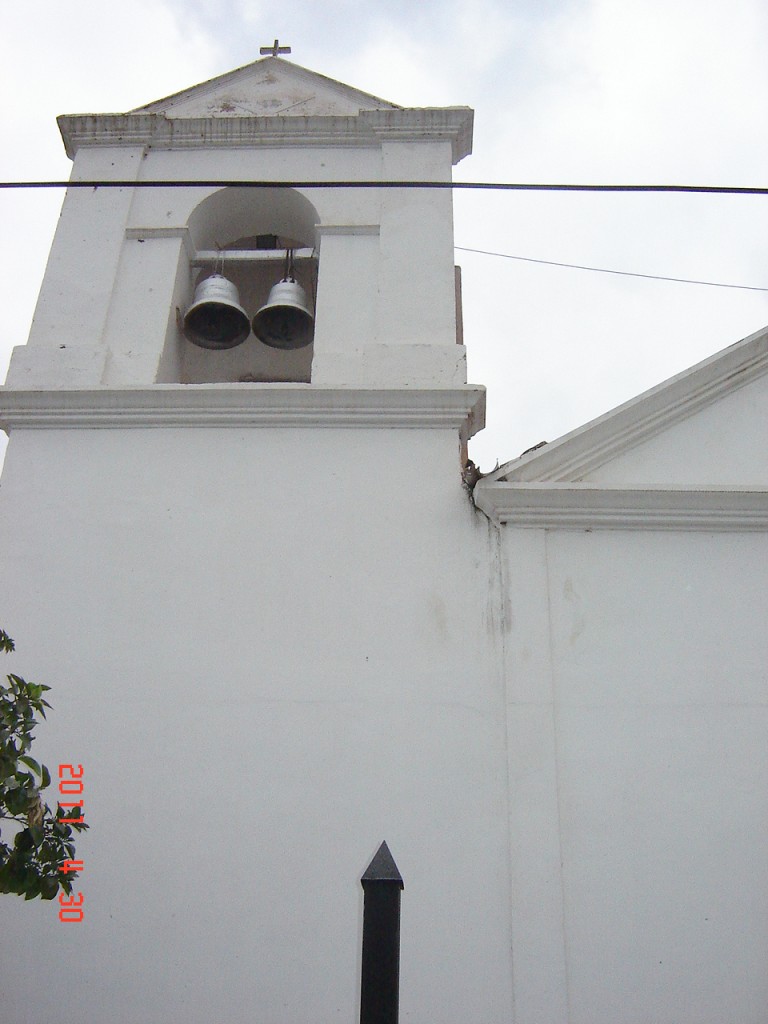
x: 31, y: 866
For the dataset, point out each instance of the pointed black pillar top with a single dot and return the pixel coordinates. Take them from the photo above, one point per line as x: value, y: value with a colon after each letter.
x: 382, y: 868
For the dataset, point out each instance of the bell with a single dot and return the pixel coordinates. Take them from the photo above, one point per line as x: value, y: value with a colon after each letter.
x: 216, y: 319
x: 285, y: 320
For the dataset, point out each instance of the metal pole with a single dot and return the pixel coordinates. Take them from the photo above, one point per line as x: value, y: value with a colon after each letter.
x: 380, y: 984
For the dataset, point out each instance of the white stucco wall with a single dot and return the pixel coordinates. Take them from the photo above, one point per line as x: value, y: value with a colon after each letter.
x: 638, y: 718
x: 270, y: 649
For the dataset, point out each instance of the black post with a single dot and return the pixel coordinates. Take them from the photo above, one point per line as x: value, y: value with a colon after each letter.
x: 380, y: 984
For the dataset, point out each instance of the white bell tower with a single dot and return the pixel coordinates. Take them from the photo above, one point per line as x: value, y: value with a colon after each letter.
x: 376, y: 262
x: 251, y: 575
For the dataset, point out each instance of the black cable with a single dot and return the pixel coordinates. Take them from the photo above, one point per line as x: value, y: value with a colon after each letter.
x: 604, y: 270
x: 455, y: 185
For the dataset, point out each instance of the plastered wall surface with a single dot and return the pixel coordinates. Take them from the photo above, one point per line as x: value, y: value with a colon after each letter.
x: 637, y: 695
x: 270, y: 649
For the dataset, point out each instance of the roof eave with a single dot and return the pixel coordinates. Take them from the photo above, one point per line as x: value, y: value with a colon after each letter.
x: 366, y: 129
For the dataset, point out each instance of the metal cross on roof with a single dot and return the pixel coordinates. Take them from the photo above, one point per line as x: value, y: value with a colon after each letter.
x: 274, y: 49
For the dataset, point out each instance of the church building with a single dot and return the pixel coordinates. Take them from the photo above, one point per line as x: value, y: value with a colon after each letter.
x: 282, y: 623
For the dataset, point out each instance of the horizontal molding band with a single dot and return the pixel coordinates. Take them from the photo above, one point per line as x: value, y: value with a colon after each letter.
x: 584, y: 507
x: 232, y: 405
x: 369, y: 128
x: 348, y: 229
x: 207, y: 257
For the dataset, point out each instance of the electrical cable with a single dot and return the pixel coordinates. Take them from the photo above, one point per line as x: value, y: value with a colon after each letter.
x: 454, y: 185
x: 604, y: 270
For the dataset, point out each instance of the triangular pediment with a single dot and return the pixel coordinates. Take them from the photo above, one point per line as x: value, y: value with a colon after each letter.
x: 270, y: 102
x: 706, y: 425
x: 692, y: 449
x: 271, y: 86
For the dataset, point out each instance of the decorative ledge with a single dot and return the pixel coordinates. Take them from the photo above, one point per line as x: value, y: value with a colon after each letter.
x: 233, y: 405
x: 368, y: 128
x: 587, y: 507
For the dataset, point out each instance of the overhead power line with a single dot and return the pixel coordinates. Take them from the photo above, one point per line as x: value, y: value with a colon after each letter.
x: 454, y: 185
x: 621, y: 273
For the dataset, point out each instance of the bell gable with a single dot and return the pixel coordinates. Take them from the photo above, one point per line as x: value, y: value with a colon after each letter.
x: 268, y: 87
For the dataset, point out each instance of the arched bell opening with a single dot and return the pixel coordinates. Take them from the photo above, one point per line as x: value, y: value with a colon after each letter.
x: 244, y: 235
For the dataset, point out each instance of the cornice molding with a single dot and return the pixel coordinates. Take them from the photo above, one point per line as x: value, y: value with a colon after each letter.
x: 369, y: 128
x: 588, y: 507
x: 235, y: 405
x: 348, y: 229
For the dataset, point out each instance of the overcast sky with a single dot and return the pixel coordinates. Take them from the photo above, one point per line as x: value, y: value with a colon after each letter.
x: 633, y: 91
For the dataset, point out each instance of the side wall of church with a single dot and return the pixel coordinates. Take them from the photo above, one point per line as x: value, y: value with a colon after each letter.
x: 637, y: 708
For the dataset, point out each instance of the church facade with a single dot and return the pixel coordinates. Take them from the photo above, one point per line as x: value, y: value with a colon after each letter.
x: 280, y: 628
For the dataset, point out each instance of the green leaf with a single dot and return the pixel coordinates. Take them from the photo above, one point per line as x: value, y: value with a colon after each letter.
x: 24, y: 841
x: 49, y: 887
x: 30, y: 762
x: 30, y: 867
x: 16, y: 801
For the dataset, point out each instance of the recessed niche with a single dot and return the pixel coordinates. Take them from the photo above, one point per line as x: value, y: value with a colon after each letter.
x: 244, y: 234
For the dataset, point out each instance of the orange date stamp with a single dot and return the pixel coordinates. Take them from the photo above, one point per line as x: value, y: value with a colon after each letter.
x: 71, y: 784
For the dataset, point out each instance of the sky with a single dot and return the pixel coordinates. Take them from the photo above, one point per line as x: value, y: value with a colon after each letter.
x: 582, y: 91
